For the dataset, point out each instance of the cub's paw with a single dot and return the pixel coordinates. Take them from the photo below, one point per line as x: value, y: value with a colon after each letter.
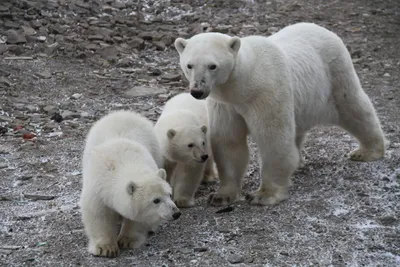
x: 110, y: 251
x: 366, y: 155
x: 184, y: 202
x: 221, y: 199
x: 130, y: 242
x: 264, y: 198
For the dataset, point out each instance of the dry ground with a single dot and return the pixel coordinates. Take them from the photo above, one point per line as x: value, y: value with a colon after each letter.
x: 89, y: 57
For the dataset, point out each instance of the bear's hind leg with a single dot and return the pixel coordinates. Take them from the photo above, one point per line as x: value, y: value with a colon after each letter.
x: 101, y: 228
x: 357, y: 116
x: 228, y: 135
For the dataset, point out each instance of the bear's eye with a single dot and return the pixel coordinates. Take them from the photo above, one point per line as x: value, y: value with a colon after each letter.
x: 190, y: 145
x: 189, y: 66
x: 156, y: 201
x: 170, y: 195
x: 204, y: 143
x: 212, y: 67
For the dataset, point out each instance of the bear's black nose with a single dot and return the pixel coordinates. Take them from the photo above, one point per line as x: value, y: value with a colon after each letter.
x: 204, y: 157
x: 176, y: 215
x: 196, y: 93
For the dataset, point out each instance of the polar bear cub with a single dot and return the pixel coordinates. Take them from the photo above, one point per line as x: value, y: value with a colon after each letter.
x: 122, y: 177
x: 276, y: 89
x: 182, y: 132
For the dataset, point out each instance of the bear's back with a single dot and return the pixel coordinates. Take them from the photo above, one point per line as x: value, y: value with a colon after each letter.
x: 124, y: 124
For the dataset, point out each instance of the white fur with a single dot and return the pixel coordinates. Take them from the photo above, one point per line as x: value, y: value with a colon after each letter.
x: 184, y: 121
x: 122, y: 177
x: 277, y: 89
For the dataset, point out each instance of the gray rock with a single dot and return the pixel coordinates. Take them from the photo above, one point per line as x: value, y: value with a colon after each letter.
x: 28, y: 30
x: 13, y: 37
x: 171, y: 77
x: 3, y: 48
x: 44, y: 74
x: 235, y: 259
x: 3, y: 165
x: 69, y: 115
x: 50, y: 109
x: 11, y: 24
x: 4, y: 118
x: 144, y: 91
x: 109, y: 53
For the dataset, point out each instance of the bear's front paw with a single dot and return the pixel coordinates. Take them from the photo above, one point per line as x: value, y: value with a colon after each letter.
x: 110, y: 251
x: 365, y: 155
x: 221, y: 199
x: 184, y: 202
x: 264, y: 198
x: 268, y: 197
x: 130, y: 242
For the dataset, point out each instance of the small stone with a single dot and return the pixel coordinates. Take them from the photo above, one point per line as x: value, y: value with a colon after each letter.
x: 143, y: 91
x: 3, y: 130
x: 124, y: 62
x: 38, y: 197
x: 171, y: 77
x: 159, y: 45
x: 386, y: 75
x: 41, y: 38
x: 227, y: 209
x: 109, y: 53
x: 148, y: 36
x: 5, y: 251
x: 50, y: 109
x: 388, y: 220
x: 13, y: 37
x: 119, y: 5
x: 28, y: 30
x: 76, y: 96
x: 163, y: 97
x: 11, y: 24
x: 223, y: 229
x: 3, y: 165
x: 3, y: 48
x: 137, y: 43
x: 57, y: 117
x: 44, y: 74
x: 69, y: 115
x: 186, y: 250
x: 235, y: 259
x: 200, y: 249
x: 25, y: 177
x: 284, y: 253
x: 4, y: 118
x: 95, y: 38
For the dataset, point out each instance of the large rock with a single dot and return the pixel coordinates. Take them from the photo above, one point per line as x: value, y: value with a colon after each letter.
x: 144, y: 91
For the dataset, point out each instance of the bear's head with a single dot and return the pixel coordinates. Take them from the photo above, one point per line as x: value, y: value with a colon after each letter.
x: 149, y: 197
x: 207, y: 60
x: 188, y: 145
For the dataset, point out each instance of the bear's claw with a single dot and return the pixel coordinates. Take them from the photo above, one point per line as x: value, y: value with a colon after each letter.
x: 220, y: 200
x: 184, y: 202
x: 261, y: 199
x: 110, y: 251
x: 365, y: 155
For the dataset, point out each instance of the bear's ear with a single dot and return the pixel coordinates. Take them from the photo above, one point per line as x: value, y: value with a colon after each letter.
x: 204, y: 129
x: 234, y: 44
x: 171, y: 133
x: 162, y: 174
x: 130, y: 188
x: 180, y: 44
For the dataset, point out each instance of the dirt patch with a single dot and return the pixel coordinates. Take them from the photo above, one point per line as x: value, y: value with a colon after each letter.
x: 64, y: 64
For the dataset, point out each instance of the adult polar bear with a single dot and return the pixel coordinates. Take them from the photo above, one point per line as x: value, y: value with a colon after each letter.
x: 275, y: 88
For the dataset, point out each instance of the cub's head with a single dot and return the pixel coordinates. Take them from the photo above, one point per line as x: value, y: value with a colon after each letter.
x: 207, y: 60
x: 150, y: 199
x: 187, y: 145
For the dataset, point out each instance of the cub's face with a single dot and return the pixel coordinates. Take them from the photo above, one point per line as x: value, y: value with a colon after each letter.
x: 154, y: 199
x: 207, y: 60
x: 188, y: 145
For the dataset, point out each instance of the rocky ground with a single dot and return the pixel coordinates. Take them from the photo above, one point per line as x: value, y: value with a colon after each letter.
x: 65, y: 63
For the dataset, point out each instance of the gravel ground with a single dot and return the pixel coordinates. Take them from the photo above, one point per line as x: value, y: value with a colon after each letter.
x: 65, y: 63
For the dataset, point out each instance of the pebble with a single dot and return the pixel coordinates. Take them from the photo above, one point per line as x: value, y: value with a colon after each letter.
x: 235, y: 259
x: 76, y: 96
x: 386, y: 75
x: 38, y: 197
x: 4, y: 118
x: 44, y: 74
x: 171, y: 77
x: 69, y: 115
x: 3, y: 165
x: 13, y: 37
x: 50, y: 109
